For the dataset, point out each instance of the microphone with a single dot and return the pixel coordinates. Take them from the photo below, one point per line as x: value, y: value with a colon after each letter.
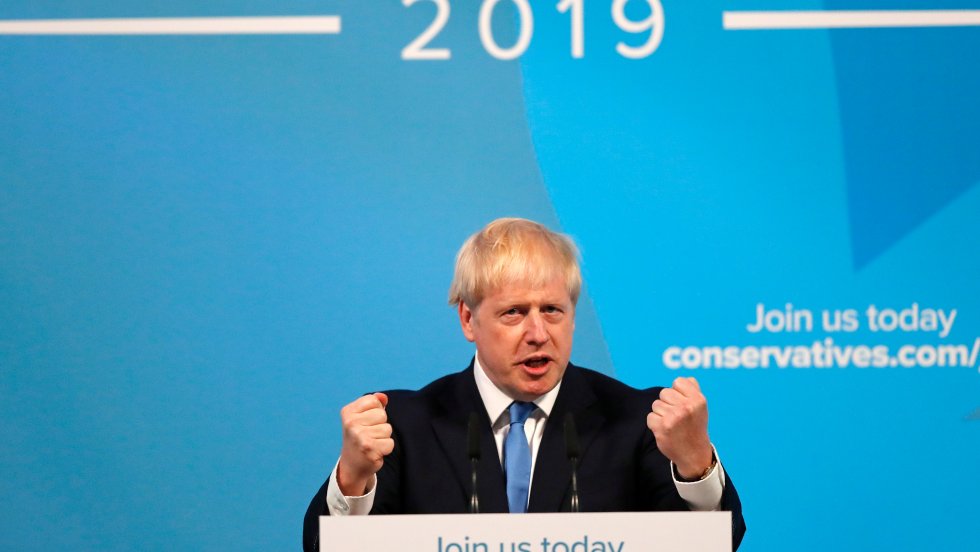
x: 473, y: 450
x: 573, y: 451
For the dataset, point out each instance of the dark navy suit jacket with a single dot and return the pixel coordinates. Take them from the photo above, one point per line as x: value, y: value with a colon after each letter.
x: 620, y: 469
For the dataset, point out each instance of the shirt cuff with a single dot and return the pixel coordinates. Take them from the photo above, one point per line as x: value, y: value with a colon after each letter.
x: 703, y: 495
x: 340, y: 505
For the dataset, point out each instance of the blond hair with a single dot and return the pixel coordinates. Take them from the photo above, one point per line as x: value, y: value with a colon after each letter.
x: 513, y: 250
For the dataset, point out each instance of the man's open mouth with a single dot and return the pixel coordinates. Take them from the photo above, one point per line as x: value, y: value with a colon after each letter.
x: 536, y: 362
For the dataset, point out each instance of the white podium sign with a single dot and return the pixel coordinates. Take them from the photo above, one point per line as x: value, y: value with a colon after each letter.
x: 600, y: 532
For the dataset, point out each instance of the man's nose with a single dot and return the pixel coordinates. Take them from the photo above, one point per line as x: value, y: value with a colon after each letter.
x: 535, y: 329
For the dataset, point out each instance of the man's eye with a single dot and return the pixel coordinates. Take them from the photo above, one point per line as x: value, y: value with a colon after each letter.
x: 512, y: 312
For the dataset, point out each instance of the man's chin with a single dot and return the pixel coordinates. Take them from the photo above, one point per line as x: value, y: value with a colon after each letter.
x: 535, y: 387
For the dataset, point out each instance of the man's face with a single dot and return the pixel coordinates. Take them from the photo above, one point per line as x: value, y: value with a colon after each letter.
x: 523, y: 336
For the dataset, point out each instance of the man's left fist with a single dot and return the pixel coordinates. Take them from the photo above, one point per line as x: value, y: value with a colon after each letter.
x: 679, y: 422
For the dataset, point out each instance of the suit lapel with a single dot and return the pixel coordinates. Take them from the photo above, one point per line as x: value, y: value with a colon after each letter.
x: 450, y: 427
x: 552, y: 470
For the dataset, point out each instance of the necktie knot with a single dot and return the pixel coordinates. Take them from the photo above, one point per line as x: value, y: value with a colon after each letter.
x: 519, y: 411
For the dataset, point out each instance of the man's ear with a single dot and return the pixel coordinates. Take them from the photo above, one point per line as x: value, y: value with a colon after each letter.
x: 466, y: 321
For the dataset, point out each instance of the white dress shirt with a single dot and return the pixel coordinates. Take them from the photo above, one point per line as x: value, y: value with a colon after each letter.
x: 700, y: 495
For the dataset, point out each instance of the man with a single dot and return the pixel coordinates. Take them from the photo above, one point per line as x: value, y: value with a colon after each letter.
x: 515, y: 287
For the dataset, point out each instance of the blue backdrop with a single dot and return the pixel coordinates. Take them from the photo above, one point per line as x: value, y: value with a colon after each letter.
x: 209, y: 244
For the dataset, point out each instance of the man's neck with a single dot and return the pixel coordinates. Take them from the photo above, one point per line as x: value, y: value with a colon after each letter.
x: 496, y: 400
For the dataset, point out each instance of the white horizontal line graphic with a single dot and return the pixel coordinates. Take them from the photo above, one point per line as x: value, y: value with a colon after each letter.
x: 847, y: 19
x: 311, y: 24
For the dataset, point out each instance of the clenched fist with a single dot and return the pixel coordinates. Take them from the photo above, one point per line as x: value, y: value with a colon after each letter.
x: 679, y: 421
x: 366, y: 441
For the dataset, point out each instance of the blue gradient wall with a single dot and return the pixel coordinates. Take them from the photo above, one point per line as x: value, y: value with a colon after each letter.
x: 208, y: 244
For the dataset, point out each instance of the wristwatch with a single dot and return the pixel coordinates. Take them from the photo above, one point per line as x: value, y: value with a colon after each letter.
x: 702, y: 477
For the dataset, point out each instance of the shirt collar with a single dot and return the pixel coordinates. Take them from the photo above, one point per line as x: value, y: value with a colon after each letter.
x: 496, y: 401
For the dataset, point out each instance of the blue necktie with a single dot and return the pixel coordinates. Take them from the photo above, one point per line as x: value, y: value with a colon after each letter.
x: 517, y: 458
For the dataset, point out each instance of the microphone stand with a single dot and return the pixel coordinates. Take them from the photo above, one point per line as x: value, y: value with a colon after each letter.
x: 573, y: 451
x: 473, y: 449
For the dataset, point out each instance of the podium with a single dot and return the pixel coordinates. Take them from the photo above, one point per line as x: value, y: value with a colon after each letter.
x: 580, y: 532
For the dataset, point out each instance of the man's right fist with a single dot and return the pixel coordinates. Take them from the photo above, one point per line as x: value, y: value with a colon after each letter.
x: 367, y: 440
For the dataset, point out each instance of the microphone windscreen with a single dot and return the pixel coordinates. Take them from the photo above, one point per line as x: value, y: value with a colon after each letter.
x: 571, y: 437
x: 473, y: 437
